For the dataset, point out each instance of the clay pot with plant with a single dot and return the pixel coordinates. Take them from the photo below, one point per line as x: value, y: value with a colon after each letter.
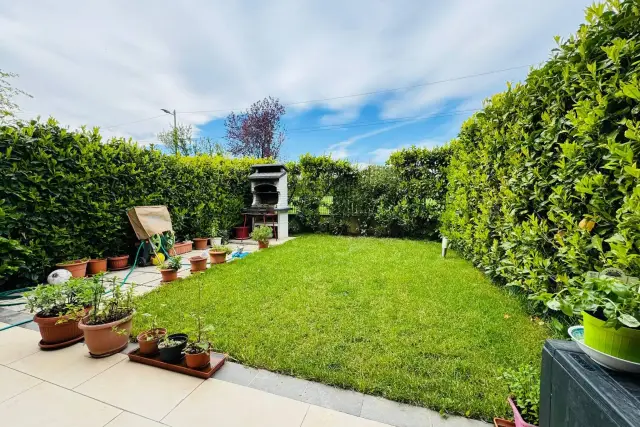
x: 198, y: 352
x: 198, y: 263
x: 119, y: 262
x: 108, y: 324
x: 97, y: 264
x: 58, y: 310
x: 168, y: 267
x: 218, y: 254
x: 77, y: 267
x: 171, y: 347
x: 149, y: 339
x: 262, y: 234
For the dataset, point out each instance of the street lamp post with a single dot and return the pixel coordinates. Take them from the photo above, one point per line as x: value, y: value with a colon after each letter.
x: 175, y: 128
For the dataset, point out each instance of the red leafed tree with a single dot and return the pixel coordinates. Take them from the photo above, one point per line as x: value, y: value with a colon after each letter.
x: 258, y: 131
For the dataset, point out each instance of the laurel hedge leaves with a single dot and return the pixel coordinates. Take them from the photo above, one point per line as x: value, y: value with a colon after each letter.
x: 544, y: 182
x: 64, y: 195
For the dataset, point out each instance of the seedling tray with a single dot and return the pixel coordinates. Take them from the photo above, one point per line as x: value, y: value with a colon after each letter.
x: 217, y: 360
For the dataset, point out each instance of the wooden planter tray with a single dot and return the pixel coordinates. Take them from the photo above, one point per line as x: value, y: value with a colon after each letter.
x: 217, y: 360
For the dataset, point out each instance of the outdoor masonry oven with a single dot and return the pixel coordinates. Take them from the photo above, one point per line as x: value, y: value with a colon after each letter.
x: 270, y: 198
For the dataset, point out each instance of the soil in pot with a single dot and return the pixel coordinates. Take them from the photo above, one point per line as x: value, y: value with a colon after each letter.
x: 118, y: 262
x: 77, y: 268
x: 263, y: 245
x: 53, y: 332
x: 217, y: 257
x: 169, y: 275
x: 623, y: 343
x: 197, y: 360
x: 200, y: 243
x: 198, y: 263
x: 173, y: 354
x: 148, y: 340
x: 96, y: 266
x: 102, y: 340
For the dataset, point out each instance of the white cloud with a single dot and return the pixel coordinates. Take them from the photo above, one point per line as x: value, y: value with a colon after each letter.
x: 113, y: 62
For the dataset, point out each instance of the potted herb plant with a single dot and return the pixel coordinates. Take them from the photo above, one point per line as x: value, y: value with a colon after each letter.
x: 108, y: 324
x: 58, y: 309
x: 171, y: 347
x: 262, y: 234
x: 198, y: 263
x: 197, y: 352
x: 148, y: 340
x: 77, y: 267
x: 218, y: 254
x: 524, y: 396
x: 216, y: 238
x: 168, y: 267
x: 610, y: 309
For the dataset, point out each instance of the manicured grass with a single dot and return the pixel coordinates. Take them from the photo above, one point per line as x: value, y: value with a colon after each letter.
x: 381, y: 316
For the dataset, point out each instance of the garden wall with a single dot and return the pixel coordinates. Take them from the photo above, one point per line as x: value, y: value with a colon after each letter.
x: 65, y: 195
x: 544, y: 183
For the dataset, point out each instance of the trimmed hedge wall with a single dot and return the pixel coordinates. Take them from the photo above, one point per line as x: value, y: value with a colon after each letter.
x: 402, y: 199
x: 65, y: 195
x: 544, y: 182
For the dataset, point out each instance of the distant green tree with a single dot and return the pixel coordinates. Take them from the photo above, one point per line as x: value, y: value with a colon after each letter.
x: 7, y: 92
x: 178, y: 140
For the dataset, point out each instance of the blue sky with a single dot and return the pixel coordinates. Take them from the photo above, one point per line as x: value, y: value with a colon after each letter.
x: 116, y: 64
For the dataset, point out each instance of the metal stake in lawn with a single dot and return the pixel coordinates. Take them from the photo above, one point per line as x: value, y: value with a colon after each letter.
x: 445, y: 245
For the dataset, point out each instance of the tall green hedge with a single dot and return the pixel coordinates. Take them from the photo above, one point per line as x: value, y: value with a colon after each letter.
x: 65, y: 195
x: 401, y: 199
x: 544, y: 182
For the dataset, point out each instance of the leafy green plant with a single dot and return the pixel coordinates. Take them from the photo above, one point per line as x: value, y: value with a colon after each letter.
x: 200, y: 344
x: 170, y: 263
x: 168, y: 342
x: 74, y: 261
x: 608, y: 298
x: 109, y: 303
x: 262, y: 234
x: 221, y: 248
x: 68, y: 299
x: 524, y: 389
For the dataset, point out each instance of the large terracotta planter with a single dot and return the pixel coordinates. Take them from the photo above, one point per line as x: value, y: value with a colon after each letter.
x: 96, y: 266
x: 150, y: 347
x: 200, y: 243
x: 53, y: 332
x: 77, y: 268
x: 263, y: 245
x: 181, y: 248
x: 102, y: 340
x: 217, y: 257
x: 198, y: 361
x: 169, y: 275
x: 118, y: 262
x: 198, y: 263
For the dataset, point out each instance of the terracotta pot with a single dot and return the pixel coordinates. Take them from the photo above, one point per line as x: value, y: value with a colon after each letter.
x: 263, y: 245
x: 77, y: 268
x: 198, y: 361
x: 149, y: 347
x: 96, y: 266
x: 102, y: 340
x: 118, y: 262
x: 198, y: 263
x: 169, y: 275
x: 217, y: 257
x: 181, y: 248
x: 241, y: 232
x: 501, y: 422
x: 200, y: 243
x: 53, y: 332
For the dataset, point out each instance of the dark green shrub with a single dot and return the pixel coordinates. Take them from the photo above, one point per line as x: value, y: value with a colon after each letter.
x: 544, y: 183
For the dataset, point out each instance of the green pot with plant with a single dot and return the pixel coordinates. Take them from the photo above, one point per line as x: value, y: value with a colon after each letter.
x: 171, y: 347
x: 149, y: 339
x: 610, y: 309
x: 262, y: 234
x: 58, y: 310
x: 77, y: 267
x: 108, y: 325
x: 168, y: 267
x: 218, y: 254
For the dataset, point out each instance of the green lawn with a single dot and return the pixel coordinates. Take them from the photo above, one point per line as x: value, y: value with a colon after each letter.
x: 382, y: 316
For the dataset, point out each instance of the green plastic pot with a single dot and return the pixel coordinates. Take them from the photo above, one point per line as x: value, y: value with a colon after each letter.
x: 623, y: 343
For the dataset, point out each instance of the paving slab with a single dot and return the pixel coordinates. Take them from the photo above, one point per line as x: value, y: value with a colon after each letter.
x: 322, y: 417
x: 346, y: 401
x: 396, y: 414
x: 68, y: 367
x: 281, y: 385
x: 16, y: 343
x: 223, y: 404
x: 13, y: 383
x: 127, y: 419
x: 236, y: 373
x: 52, y: 406
x: 141, y: 389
